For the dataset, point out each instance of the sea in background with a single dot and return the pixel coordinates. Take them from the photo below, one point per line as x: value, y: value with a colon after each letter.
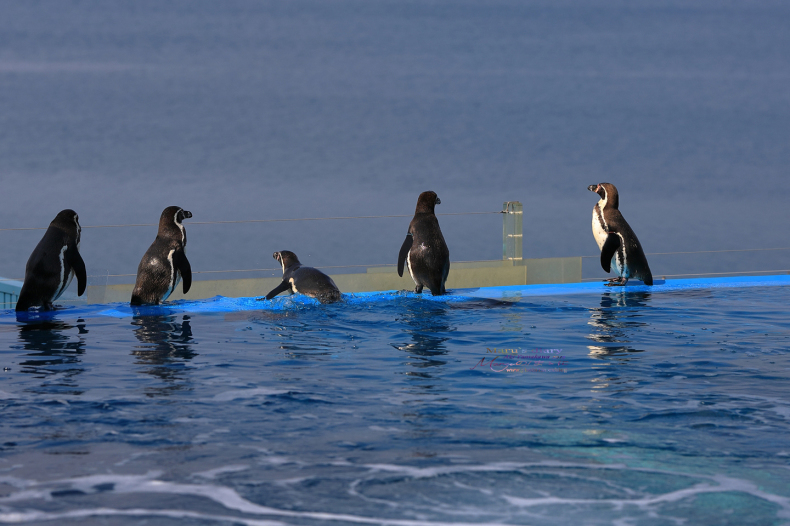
x: 240, y: 110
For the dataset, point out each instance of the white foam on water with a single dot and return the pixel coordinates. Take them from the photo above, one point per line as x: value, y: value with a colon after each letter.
x: 134, y: 456
x: 418, y: 473
x: 219, y: 494
x: 189, y: 420
x: 240, y: 394
x: 40, y: 516
x: 14, y: 481
x: 231, y: 500
x: 212, y: 473
x: 386, y: 429
x: 723, y: 484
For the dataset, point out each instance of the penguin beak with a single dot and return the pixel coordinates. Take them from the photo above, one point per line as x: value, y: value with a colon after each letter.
x: 187, y: 214
x: 593, y: 188
x: 438, y: 201
x: 276, y: 256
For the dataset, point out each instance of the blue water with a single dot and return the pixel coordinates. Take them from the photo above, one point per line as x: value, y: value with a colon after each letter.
x: 648, y: 407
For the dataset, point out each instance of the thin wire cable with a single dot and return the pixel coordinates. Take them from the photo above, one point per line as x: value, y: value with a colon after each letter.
x: 709, y: 274
x: 706, y: 251
x: 722, y: 273
x: 277, y: 269
x: 259, y: 221
x: 384, y: 265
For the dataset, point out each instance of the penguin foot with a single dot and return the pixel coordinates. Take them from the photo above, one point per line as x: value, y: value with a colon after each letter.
x: 616, y: 282
x: 418, y: 289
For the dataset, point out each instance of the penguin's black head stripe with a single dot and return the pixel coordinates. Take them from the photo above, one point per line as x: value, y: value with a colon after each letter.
x: 426, y: 202
x: 611, y: 196
x: 286, y: 258
x: 68, y: 221
x: 181, y: 215
x: 608, y: 194
x: 170, y: 223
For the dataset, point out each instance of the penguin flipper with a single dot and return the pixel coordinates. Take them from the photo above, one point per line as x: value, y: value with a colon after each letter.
x: 78, y: 265
x: 282, y: 287
x: 404, y: 252
x: 610, y: 246
x: 182, y: 264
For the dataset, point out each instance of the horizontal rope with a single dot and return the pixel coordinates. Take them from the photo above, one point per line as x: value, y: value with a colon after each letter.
x: 708, y: 274
x: 706, y: 251
x: 722, y: 273
x: 374, y: 265
x: 278, y: 269
x: 383, y: 265
x: 189, y: 223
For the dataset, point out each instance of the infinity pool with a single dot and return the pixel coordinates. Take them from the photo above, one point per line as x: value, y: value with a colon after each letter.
x: 518, y: 405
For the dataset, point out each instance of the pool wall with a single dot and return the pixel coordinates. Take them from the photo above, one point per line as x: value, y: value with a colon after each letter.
x: 469, y: 274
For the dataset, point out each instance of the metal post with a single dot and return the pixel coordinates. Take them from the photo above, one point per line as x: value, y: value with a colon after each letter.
x: 512, y: 224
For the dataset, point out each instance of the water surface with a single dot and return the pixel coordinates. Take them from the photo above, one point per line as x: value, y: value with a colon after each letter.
x: 648, y: 408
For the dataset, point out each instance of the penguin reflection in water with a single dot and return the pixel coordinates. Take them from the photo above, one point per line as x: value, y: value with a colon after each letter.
x: 165, y: 263
x: 53, y: 264
x: 305, y: 280
x: 618, y: 243
x: 424, y: 251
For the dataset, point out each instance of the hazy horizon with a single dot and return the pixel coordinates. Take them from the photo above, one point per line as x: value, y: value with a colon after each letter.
x: 239, y: 111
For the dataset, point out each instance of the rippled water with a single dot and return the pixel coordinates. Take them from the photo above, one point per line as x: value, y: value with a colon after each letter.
x: 651, y: 408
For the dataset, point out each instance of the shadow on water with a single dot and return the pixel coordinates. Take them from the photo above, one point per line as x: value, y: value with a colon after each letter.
x: 165, y: 346
x: 619, y: 315
x: 428, y: 328
x: 305, y: 335
x: 614, y: 324
x: 54, y: 349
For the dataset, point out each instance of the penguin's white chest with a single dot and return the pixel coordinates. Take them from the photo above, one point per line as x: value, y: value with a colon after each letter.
x: 65, y: 279
x: 175, y: 276
x: 408, y: 265
x: 599, y: 227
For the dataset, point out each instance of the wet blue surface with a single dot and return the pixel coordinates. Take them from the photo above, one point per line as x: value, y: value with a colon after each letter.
x: 506, y: 405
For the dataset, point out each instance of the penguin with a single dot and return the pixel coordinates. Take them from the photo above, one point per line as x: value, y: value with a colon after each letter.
x: 304, y: 280
x: 424, y: 250
x: 618, y: 244
x: 53, y: 264
x: 165, y: 263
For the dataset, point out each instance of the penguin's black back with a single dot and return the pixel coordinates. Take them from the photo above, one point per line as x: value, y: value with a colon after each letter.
x: 49, y: 268
x: 631, y: 249
x: 314, y: 283
x: 165, y: 262
x: 154, y: 273
x: 304, y: 280
x: 429, y: 257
